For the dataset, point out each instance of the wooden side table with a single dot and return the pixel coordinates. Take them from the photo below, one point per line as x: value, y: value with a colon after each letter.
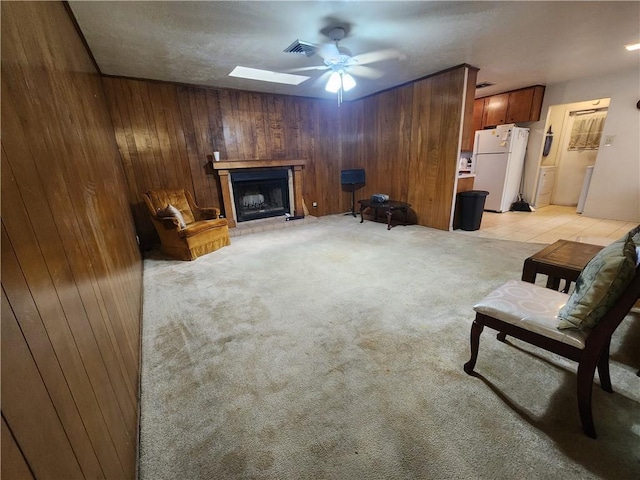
x: 387, y: 207
x: 562, y: 260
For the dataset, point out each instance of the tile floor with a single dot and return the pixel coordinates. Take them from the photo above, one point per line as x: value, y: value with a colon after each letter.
x: 548, y: 224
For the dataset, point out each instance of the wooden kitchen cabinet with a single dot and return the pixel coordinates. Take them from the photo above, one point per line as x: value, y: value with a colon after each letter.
x: 516, y: 106
x: 495, y: 110
x: 525, y: 104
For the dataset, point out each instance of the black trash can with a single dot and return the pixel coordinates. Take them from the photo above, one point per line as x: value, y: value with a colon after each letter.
x: 471, y: 207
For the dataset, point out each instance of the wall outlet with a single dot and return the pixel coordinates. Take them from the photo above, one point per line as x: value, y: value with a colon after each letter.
x: 314, y: 204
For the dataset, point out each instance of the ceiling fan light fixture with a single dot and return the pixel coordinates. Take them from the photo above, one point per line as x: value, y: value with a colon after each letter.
x: 348, y: 82
x: 334, y: 83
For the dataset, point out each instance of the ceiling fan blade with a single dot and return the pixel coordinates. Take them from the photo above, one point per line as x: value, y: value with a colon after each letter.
x: 365, y: 72
x: 328, y: 50
x: 379, y: 56
x: 306, y: 69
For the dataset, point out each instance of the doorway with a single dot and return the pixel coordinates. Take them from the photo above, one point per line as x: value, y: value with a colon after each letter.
x: 571, y: 148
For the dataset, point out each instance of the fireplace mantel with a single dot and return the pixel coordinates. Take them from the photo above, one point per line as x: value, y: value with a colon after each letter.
x: 232, y: 165
x: 225, y: 182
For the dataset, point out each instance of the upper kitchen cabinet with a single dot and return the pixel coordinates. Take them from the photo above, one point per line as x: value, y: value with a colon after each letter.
x: 495, y: 110
x: 516, y: 106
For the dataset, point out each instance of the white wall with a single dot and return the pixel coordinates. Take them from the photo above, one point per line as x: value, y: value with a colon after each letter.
x: 572, y: 166
x: 615, y: 186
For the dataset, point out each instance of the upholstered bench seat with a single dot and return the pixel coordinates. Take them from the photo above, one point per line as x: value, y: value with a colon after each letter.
x: 532, y: 308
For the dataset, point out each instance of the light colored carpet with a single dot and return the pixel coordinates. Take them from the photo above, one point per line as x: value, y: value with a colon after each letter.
x: 334, y: 351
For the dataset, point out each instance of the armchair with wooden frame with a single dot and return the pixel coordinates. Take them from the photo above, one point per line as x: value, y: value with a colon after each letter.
x: 530, y: 313
x: 186, y: 231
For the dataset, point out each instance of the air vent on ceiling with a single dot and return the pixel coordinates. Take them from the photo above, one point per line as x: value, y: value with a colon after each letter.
x: 484, y: 85
x: 301, y: 48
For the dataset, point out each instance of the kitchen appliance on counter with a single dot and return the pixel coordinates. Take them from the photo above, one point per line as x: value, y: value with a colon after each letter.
x: 498, y: 160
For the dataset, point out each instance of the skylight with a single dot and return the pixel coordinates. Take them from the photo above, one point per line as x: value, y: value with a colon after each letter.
x: 267, y: 76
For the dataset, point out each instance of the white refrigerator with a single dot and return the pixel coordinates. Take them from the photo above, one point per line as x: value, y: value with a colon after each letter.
x: 498, y: 159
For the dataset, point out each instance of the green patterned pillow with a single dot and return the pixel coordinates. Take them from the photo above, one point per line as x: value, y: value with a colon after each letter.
x: 599, y: 285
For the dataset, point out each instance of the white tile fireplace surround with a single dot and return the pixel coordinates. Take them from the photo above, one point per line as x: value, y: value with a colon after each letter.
x: 295, y: 182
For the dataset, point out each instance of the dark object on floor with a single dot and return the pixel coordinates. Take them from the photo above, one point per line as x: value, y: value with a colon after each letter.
x: 471, y: 208
x: 520, y: 205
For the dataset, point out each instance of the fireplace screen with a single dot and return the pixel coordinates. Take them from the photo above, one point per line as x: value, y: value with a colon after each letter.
x: 260, y: 193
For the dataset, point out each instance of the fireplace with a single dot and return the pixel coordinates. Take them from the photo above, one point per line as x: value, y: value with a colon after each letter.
x: 260, y: 193
x: 292, y: 192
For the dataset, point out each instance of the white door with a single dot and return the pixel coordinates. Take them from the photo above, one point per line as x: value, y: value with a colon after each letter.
x: 491, y: 171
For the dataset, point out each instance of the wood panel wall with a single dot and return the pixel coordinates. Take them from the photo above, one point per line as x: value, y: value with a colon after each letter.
x: 406, y: 138
x: 167, y: 133
x: 408, y: 141
x: 71, y: 268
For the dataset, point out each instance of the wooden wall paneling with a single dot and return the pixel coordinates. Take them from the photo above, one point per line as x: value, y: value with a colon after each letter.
x: 175, y: 132
x: 420, y: 185
x: 454, y: 95
x: 450, y: 96
x: 259, y: 130
x: 136, y: 174
x: 14, y: 465
x: 243, y: 136
x: 231, y: 142
x: 101, y: 197
x: 308, y: 117
x: 189, y: 132
x: 67, y: 246
x: 75, y: 249
x: 167, y: 157
x: 140, y: 131
x: 292, y: 127
x: 245, y: 119
x: 82, y: 145
x: 59, y: 304
x: 328, y: 163
x: 393, y: 137
x: 217, y: 133
x: 353, y: 147
x: 470, y: 119
x: 35, y: 423
x: 148, y: 129
x: 436, y: 126
x: 204, y: 189
x: 22, y: 303
x: 314, y: 170
x: 275, y: 122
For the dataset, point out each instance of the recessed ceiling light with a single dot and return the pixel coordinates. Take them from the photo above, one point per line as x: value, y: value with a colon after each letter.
x: 267, y: 76
x: 634, y: 46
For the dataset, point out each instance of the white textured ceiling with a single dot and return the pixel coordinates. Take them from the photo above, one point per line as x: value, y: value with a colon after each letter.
x: 514, y: 44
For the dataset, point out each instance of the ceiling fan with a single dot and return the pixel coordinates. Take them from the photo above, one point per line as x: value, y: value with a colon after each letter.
x: 340, y: 67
